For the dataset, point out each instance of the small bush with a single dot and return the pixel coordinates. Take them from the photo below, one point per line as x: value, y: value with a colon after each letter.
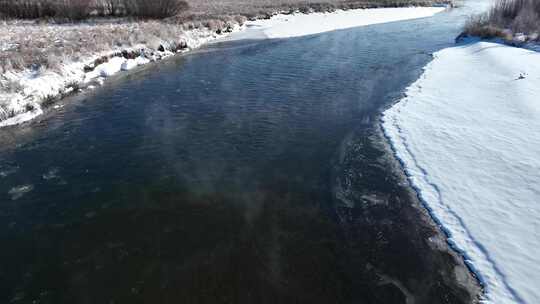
x: 154, y: 9
x: 480, y: 26
x: 526, y: 20
x: 73, y: 9
x: 26, y: 9
x: 517, y: 16
x: 111, y: 8
x: 82, y: 9
x: 33, y: 9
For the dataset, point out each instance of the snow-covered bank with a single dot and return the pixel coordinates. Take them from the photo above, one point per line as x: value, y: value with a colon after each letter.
x: 468, y: 134
x: 286, y: 26
x: 24, y: 93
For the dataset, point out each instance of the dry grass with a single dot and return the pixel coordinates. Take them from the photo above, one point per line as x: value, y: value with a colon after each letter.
x: 506, y: 19
x: 24, y: 44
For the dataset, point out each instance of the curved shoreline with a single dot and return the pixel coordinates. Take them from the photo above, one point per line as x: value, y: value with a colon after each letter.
x: 469, y: 161
x: 403, y: 216
x: 441, y: 228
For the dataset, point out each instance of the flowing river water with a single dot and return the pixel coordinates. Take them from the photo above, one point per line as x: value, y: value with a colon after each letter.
x: 247, y: 172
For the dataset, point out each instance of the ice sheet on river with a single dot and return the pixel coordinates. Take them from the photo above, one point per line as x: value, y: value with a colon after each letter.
x: 468, y: 133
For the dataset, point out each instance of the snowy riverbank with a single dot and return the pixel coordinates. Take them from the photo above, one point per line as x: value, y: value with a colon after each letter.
x: 24, y: 93
x: 468, y: 134
x: 287, y: 26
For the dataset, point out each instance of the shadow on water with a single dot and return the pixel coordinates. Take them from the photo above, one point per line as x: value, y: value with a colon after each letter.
x: 247, y: 172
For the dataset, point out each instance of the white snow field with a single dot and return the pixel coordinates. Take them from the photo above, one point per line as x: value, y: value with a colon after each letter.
x: 468, y: 135
x: 287, y: 26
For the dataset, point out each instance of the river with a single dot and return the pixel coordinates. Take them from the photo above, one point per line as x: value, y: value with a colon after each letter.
x: 250, y: 171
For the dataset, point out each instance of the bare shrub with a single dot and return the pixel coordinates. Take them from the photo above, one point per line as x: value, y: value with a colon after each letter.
x: 33, y: 9
x: 526, y: 20
x: 517, y: 16
x: 81, y: 9
x: 154, y: 9
x: 112, y: 8
x: 72, y: 9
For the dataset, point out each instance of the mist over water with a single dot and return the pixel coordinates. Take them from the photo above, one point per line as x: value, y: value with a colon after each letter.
x: 248, y: 171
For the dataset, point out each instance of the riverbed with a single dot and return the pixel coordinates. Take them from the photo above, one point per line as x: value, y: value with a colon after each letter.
x: 249, y: 171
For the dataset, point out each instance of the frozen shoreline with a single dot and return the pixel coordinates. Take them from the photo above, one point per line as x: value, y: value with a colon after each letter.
x: 468, y: 136
x: 33, y: 88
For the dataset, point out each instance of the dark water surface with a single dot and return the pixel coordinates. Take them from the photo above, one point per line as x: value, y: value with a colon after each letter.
x: 249, y: 172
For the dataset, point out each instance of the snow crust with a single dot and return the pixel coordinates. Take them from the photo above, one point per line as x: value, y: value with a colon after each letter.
x: 286, y: 26
x: 468, y: 135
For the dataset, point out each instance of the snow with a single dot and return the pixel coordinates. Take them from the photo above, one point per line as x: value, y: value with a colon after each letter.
x: 20, y: 118
x: 286, y: 26
x: 468, y: 135
x: 111, y: 67
x: 133, y: 63
x: 117, y: 64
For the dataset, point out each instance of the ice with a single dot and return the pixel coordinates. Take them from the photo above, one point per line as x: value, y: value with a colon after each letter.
x: 468, y: 134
